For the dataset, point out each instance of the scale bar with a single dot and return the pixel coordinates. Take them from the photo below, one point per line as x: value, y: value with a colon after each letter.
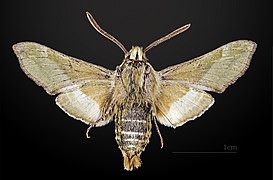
x: 204, y: 152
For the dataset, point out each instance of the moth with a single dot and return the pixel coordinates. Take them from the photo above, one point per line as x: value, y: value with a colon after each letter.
x: 134, y: 94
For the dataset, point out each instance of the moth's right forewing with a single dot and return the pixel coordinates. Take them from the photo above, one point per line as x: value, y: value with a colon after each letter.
x: 216, y: 70
x: 54, y: 71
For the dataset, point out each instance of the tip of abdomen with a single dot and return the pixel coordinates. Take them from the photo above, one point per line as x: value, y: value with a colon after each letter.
x: 131, y: 161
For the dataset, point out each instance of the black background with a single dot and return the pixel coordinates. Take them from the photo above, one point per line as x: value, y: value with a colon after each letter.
x: 39, y: 140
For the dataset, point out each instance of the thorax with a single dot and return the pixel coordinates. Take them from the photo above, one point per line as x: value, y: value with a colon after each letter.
x: 133, y: 76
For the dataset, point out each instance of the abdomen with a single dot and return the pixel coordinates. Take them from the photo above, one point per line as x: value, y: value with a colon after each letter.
x: 133, y: 130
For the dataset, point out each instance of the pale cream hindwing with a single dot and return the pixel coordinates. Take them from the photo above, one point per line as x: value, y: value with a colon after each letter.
x: 216, y: 70
x: 88, y: 103
x: 85, y: 88
x: 177, y: 103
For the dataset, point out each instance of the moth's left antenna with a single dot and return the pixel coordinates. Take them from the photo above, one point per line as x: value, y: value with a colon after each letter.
x: 104, y: 33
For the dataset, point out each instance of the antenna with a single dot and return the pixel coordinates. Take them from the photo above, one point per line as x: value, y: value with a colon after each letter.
x: 104, y: 33
x: 168, y: 36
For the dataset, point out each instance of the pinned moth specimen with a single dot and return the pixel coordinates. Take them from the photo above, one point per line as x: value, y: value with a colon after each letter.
x: 134, y: 94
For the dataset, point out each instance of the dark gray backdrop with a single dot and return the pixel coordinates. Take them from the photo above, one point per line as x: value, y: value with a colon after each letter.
x: 39, y: 140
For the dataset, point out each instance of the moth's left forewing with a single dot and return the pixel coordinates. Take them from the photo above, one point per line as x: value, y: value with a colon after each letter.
x: 55, y: 71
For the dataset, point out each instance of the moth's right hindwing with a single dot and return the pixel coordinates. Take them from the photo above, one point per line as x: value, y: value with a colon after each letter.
x: 84, y: 88
x: 176, y: 103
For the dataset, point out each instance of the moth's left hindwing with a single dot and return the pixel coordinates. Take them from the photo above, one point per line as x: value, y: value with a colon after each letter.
x: 88, y: 103
x: 84, y: 88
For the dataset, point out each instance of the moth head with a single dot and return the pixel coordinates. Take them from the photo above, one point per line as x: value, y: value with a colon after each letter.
x: 136, y: 54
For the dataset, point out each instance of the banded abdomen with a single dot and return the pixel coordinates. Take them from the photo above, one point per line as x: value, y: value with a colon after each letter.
x: 133, y: 130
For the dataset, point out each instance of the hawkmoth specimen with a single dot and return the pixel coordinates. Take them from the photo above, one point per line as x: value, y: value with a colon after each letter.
x: 134, y: 94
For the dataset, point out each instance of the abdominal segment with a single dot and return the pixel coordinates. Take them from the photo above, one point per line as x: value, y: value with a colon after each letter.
x: 133, y: 130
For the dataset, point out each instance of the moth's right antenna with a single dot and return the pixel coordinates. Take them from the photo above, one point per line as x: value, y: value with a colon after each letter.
x: 168, y: 36
x: 104, y: 33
